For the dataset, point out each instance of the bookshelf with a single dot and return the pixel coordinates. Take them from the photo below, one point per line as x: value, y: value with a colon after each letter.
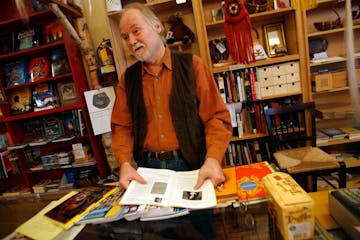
x: 333, y: 101
x: 13, y: 124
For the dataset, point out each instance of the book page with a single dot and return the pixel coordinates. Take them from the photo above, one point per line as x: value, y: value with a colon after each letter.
x: 156, y: 191
x: 184, y: 195
x: 169, y: 188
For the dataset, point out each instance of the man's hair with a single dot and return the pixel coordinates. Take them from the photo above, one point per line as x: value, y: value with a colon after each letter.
x: 146, y: 11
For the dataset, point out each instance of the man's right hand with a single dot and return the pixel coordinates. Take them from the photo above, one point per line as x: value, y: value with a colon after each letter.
x: 128, y: 173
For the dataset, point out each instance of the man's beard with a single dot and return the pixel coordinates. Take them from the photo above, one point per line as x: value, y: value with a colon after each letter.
x: 143, y: 55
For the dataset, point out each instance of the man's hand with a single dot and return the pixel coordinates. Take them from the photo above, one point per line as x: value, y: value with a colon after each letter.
x: 127, y: 173
x: 210, y: 169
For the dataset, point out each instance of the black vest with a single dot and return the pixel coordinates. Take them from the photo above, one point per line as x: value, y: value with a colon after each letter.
x: 183, y: 108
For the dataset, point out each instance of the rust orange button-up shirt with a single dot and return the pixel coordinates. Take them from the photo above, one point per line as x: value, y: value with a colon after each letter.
x: 161, y: 134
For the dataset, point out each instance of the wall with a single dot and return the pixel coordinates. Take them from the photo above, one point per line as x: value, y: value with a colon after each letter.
x: 95, y: 15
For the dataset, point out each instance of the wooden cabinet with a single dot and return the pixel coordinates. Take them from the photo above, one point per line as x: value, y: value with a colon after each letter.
x: 13, y: 124
x: 329, y: 76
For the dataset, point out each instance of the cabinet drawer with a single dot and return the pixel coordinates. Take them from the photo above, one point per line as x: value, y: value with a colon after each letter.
x: 292, y: 77
x: 280, y: 89
x: 266, y: 81
x: 280, y: 79
x: 291, y: 67
x: 293, y: 87
x: 267, y: 91
x: 278, y: 69
x: 263, y: 72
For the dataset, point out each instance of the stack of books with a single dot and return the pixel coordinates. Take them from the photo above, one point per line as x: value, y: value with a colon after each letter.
x: 333, y: 133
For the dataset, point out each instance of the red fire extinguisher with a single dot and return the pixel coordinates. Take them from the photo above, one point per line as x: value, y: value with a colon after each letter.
x: 105, y: 55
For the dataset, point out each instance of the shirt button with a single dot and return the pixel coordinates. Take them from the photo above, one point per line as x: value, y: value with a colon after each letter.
x: 158, y: 98
x: 160, y: 116
x: 162, y: 136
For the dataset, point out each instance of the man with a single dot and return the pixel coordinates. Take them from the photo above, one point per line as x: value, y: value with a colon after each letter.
x: 168, y: 112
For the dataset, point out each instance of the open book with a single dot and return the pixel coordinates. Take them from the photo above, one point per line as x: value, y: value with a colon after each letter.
x: 166, y: 187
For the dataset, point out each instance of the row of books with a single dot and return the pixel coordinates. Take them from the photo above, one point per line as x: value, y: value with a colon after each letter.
x: 324, y: 135
x: 238, y: 86
x: 36, y: 69
x: 42, y: 96
x: 30, y: 37
x: 243, y: 153
x: 64, y: 126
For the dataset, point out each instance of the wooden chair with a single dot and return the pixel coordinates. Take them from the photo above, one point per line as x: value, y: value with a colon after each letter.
x: 292, y: 142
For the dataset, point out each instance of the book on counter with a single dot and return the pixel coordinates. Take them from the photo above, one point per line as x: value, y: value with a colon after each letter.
x: 249, y: 181
x: 108, y: 210
x: 227, y: 192
x: 170, y: 188
x: 146, y: 212
x: 73, y: 206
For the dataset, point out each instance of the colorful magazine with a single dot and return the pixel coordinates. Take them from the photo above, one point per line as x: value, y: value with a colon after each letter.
x: 73, y: 206
x: 107, y: 210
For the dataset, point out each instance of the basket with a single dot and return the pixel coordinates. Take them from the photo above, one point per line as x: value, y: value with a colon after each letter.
x: 256, y: 6
x: 328, y: 25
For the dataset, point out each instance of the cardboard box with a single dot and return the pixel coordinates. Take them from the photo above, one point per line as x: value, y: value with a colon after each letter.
x: 321, y: 82
x: 339, y: 79
x: 291, y: 207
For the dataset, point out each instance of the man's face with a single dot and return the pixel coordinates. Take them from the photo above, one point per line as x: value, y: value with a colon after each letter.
x: 142, y: 39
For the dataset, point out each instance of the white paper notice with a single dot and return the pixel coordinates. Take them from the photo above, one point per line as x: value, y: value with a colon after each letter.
x: 100, y: 103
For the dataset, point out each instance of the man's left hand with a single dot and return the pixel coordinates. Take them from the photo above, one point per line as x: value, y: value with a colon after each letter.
x: 210, y: 169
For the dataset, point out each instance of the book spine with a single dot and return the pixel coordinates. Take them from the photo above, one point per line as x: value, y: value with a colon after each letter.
x: 252, y: 78
x: 221, y: 86
x: 247, y: 86
x: 228, y: 87
x: 234, y: 91
x: 239, y: 125
x: 240, y: 87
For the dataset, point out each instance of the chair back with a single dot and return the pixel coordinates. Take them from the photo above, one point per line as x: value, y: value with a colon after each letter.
x: 291, y: 126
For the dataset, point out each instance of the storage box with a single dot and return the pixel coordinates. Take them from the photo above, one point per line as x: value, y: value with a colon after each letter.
x: 321, y: 82
x: 339, y: 79
x: 291, y: 207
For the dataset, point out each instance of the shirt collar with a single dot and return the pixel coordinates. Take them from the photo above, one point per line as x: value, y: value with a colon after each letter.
x: 166, y: 61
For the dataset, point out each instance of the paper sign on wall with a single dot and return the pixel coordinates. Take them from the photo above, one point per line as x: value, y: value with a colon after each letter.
x: 100, y: 103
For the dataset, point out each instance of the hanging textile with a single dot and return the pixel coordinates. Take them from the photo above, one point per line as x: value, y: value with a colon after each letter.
x: 304, y: 4
x: 237, y: 28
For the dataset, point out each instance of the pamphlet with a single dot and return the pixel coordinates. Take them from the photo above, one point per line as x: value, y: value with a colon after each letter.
x: 170, y: 188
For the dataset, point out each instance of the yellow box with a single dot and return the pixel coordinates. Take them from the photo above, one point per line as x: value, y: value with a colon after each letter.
x: 339, y: 79
x: 291, y: 207
x: 321, y: 82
